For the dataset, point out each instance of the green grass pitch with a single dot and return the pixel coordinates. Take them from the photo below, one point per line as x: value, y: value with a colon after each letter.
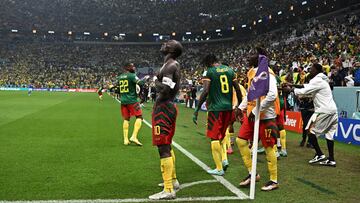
x: 68, y: 146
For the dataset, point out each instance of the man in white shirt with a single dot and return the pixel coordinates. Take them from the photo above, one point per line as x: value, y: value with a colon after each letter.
x: 324, y: 121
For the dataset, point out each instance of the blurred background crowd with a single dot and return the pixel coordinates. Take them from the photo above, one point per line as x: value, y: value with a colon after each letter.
x: 136, y: 16
x: 334, y: 43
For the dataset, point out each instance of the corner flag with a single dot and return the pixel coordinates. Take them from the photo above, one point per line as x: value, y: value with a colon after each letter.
x: 259, y: 87
x: 260, y: 83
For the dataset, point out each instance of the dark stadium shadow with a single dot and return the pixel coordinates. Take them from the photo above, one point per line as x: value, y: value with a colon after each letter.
x: 315, y: 186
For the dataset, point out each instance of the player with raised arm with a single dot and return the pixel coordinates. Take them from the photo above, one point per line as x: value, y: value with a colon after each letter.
x: 129, y: 102
x: 164, y: 114
x: 218, y: 92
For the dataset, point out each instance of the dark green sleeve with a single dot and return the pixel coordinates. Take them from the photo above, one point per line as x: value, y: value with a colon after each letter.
x: 208, y: 74
x: 133, y: 79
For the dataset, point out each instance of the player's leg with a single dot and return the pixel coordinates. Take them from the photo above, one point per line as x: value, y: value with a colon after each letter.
x: 174, y: 177
x: 229, y: 134
x: 126, y: 131
x: 135, y: 110
x: 226, y: 119
x: 216, y: 154
x: 213, y: 133
x: 224, y: 157
x: 175, y: 181
x: 162, y: 133
x: 306, y: 115
x: 126, y: 117
x: 166, y: 167
x: 268, y: 133
x: 245, y: 134
x: 330, y: 161
x: 313, y: 128
x: 280, y: 121
x: 283, y: 151
x: 137, y: 126
x: 319, y: 155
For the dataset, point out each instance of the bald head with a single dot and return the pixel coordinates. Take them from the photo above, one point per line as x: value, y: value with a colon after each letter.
x: 172, y: 46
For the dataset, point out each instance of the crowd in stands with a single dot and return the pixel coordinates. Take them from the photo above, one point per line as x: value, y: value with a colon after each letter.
x: 334, y: 44
x: 132, y: 16
x: 149, y: 16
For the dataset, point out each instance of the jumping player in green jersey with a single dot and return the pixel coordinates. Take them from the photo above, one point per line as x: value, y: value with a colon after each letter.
x: 218, y: 89
x: 129, y: 102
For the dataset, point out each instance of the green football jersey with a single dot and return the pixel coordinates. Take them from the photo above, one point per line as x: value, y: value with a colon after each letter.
x: 281, y: 96
x: 221, y: 88
x: 127, y: 85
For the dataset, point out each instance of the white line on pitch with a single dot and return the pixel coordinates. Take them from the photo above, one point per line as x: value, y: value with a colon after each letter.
x: 184, y: 199
x: 185, y: 185
x: 239, y: 194
x: 221, y: 179
x: 182, y: 186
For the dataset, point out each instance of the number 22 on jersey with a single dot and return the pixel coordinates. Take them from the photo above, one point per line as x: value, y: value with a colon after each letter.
x: 124, y: 86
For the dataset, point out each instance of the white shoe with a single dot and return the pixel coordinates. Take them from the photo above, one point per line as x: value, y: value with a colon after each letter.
x: 136, y: 141
x: 277, y: 154
x: 283, y: 153
x: 317, y: 158
x: 176, y: 185
x: 215, y: 172
x: 327, y: 162
x: 163, y: 195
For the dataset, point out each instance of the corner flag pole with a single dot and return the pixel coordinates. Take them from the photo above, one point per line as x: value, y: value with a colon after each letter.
x: 254, y: 149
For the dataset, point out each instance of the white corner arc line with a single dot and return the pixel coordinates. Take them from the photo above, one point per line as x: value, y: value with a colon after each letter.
x: 185, y: 185
x: 222, y: 180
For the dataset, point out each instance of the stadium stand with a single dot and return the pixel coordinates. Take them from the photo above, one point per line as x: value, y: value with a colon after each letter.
x: 334, y: 43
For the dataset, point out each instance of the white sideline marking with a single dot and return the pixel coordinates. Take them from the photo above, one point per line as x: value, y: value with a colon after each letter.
x: 184, y: 199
